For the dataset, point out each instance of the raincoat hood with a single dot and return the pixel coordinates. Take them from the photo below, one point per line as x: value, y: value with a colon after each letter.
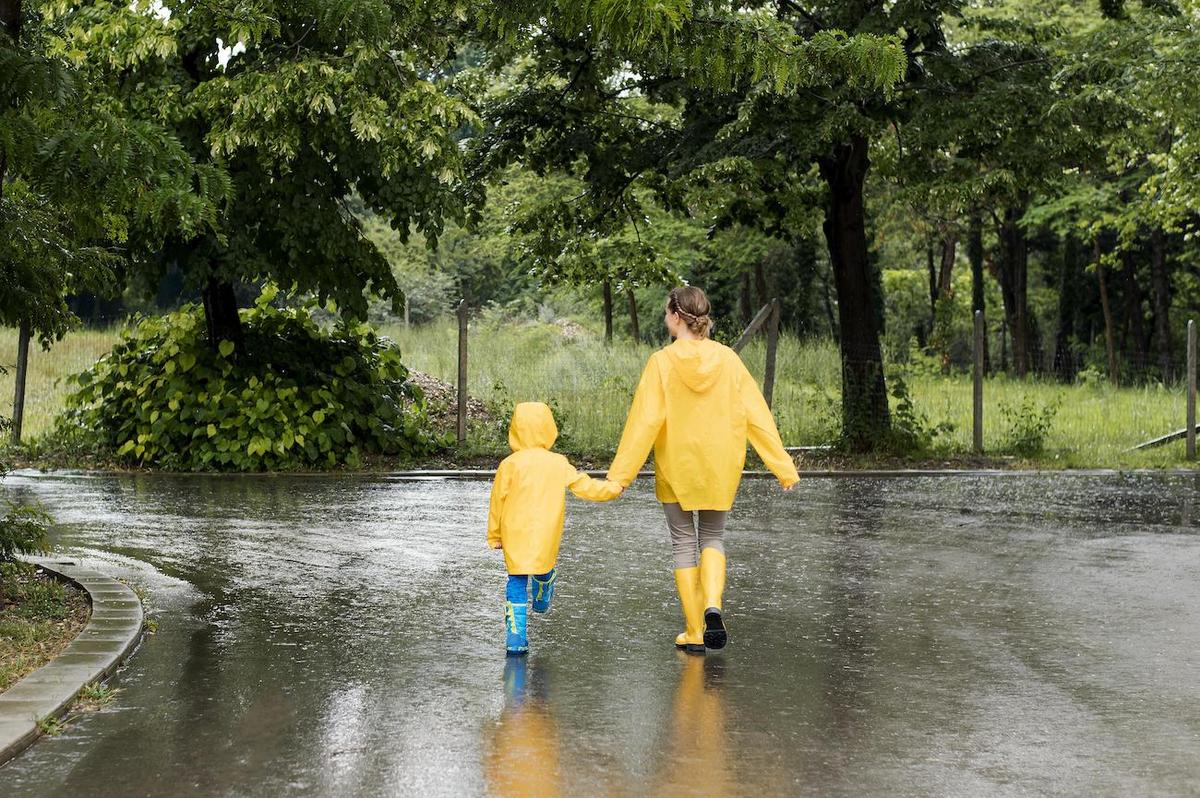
x: 532, y: 427
x: 698, y: 363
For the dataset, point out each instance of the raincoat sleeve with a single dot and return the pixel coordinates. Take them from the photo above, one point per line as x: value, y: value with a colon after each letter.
x: 647, y: 414
x: 761, y: 429
x: 496, y: 507
x: 594, y: 490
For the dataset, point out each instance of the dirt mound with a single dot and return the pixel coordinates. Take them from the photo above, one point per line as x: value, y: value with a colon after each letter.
x: 441, y: 400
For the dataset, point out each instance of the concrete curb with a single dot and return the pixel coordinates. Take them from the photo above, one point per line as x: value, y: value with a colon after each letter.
x: 112, y: 632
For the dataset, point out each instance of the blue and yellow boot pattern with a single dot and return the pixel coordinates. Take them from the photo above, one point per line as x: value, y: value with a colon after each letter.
x: 543, y: 590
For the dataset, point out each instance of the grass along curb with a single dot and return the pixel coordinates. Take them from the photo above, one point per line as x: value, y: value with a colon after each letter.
x: 37, y: 701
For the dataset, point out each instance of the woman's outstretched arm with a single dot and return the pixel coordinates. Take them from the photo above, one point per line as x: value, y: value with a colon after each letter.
x: 763, y: 434
x: 647, y: 413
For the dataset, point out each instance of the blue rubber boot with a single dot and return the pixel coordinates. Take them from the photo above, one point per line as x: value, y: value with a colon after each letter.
x: 543, y: 590
x: 516, y: 641
x: 516, y: 615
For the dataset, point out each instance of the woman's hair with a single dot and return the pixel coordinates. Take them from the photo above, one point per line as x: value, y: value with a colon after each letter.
x: 691, y: 305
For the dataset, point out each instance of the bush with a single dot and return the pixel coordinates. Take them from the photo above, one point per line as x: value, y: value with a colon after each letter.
x: 911, y: 431
x: 1028, y: 425
x: 298, y: 396
x: 23, y: 530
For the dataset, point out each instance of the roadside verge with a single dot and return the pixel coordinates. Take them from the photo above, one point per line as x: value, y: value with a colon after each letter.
x: 112, y: 632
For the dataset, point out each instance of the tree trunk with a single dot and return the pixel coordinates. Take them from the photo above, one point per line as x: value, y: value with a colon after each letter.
x: 975, y: 255
x: 931, y: 272
x: 1110, y: 333
x: 745, y: 306
x: 1014, y: 272
x: 760, y: 283
x: 1162, y: 302
x: 1136, y: 318
x: 1068, y: 300
x: 946, y: 268
x: 12, y: 19
x: 10, y: 24
x: 633, y: 316
x: 865, y: 417
x: 221, y: 315
x: 827, y: 302
x: 608, y: 312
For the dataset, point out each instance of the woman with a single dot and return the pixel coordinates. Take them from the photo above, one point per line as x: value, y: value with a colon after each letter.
x: 696, y: 405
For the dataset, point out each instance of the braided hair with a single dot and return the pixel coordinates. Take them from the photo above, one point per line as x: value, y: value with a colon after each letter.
x: 691, y: 304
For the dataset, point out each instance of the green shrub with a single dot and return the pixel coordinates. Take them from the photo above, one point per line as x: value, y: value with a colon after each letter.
x: 297, y: 396
x: 23, y: 530
x: 1028, y: 425
x: 911, y: 431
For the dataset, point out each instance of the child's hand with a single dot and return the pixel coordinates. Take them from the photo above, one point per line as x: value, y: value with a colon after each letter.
x: 497, y: 546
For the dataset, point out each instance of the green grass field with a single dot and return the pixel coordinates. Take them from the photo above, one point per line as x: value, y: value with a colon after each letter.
x: 590, y: 386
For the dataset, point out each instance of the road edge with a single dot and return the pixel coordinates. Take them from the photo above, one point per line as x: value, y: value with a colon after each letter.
x: 113, y: 631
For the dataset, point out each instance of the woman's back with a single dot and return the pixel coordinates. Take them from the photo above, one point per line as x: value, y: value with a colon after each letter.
x: 697, y: 406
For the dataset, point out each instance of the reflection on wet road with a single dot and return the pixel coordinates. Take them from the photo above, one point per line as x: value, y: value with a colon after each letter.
x: 920, y: 636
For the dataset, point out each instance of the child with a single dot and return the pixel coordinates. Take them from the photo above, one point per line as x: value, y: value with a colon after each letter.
x: 527, y: 511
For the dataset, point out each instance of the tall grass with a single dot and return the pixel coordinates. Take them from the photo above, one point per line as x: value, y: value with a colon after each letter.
x: 46, y: 386
x: 590, y: 386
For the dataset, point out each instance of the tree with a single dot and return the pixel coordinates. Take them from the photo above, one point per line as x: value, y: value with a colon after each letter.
x: 77, y: 174
x: 296, y: 105
x: 640, y: 116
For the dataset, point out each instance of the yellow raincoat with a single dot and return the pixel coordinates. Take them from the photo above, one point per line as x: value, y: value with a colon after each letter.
x: 529, y: 493
x: 696, y: 405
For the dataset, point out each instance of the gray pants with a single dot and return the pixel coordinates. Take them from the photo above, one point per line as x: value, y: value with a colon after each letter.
x: 688, y: 538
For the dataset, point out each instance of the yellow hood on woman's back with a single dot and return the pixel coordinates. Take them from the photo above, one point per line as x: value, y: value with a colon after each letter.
x: 698, y: 363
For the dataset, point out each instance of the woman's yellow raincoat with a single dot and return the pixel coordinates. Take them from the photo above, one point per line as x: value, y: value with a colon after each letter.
x: 697, y: 405
x: 529, y: 500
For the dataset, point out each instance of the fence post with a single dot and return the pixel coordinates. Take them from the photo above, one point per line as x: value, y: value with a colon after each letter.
x: 977, y: 415
x: 772, y: 349
x: 19, y: 391
x: 462, y: 371
x: 1191, y: 390
x: 758, y: 321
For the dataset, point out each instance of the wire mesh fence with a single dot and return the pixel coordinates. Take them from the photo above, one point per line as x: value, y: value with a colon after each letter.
x: 1068, y: 407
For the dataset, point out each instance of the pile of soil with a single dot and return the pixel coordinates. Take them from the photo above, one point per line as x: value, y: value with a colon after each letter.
x: 441, y: 400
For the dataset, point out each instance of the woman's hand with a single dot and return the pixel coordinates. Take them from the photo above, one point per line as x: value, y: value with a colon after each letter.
x: 788, y: 488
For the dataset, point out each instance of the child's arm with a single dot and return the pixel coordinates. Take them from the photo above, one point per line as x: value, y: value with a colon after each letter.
x: 496, y: 507
x: 593, y: 490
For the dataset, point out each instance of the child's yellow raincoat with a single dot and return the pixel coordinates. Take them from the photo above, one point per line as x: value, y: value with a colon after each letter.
x: 529, y: 494
x: 696, y: 405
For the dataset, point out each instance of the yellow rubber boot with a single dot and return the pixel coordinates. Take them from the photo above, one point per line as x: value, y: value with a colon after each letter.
x: 687, y: 582
x: 712, y: 586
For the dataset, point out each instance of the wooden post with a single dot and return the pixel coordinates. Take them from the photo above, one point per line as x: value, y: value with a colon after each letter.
x: 758, y: 321
x: 462, y: 371
x: 772, y: 348
x: 19, y: 391
x: 1191, y: 390
x: 406, y: 311
x: 608, y: 312
x: 977, y: 427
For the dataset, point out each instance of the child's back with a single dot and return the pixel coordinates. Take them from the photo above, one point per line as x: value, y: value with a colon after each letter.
x: 528, y: 508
